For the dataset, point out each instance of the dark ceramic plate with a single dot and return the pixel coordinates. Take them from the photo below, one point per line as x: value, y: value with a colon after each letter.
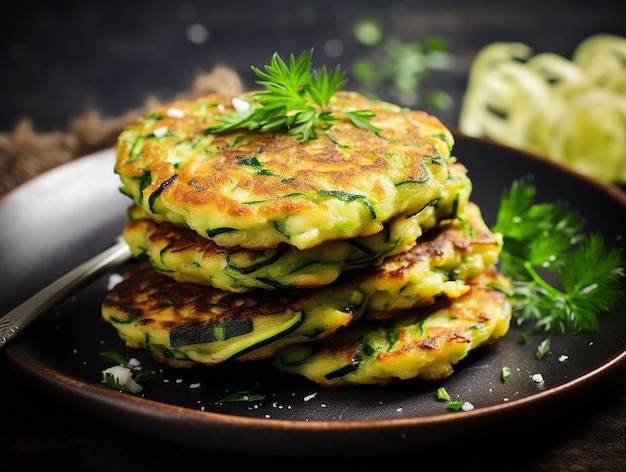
x: 65, y: 216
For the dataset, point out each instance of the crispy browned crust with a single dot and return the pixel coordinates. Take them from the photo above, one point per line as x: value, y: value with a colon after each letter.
x: 442, y: 248
x: 155, y: 300
x: 448, y: 236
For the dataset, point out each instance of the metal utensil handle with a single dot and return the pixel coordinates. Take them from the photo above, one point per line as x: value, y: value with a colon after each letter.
x: 24, y: 314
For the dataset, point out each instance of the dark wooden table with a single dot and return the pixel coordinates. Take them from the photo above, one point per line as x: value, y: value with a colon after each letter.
x: 60, y: 59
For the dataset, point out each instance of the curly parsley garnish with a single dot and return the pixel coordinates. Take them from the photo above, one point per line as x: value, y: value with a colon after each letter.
x: 562, y: 278
x: 295, y: 99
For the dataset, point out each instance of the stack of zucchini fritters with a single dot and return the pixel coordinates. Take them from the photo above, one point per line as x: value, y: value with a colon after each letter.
x: 356, y: 257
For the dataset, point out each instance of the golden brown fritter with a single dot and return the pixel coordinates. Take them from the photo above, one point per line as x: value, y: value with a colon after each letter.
x: 183, y: 323
x: 258, y: 189
x: 422, y: 343
x: 186, y: 256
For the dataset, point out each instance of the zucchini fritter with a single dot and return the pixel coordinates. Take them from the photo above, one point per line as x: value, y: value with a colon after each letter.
x: 444, y: 258
x: 421, y: 343
x: 258, y: 190
x: 186, y: 323
x: 183, y: 324
x: 185, y: 256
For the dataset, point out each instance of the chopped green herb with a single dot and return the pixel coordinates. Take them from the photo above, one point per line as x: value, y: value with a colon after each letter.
x: 442, y: 394
x: 543, y: 348
x: 522, y: 338
x: 143, y: 376
x: 243, y: 396
x: 114, y: 382
x: 506, y: 373
x: 121, y: 378
x: 546, y: 240
x: 295, y: 98
x: 115, y: 357
x: 456, y: 405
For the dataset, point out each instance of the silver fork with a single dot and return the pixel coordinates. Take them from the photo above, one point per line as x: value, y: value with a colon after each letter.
x: 27, y: 312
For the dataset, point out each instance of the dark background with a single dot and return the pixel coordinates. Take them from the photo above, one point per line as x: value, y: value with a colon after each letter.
x: 60, y: 59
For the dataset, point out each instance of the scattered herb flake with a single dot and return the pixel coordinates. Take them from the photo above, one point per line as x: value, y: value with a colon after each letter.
x: 543, y: 348
x: 442, y: 394
x: 455, y: 405
x: 121, y: 378
x: 506, y: 373
x: 143, y: 376
x: 243, y: 396
x: 115, y: 357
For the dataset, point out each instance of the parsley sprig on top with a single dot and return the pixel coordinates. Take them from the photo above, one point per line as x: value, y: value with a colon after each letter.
x: 295, y: 98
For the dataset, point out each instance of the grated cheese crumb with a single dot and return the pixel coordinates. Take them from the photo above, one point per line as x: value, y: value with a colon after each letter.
x: 175, y: 113
x: 240, y: 105
x: 467, y: 406
x: 114, y: 279
x: 563, y: 358
x: 537, y: 378
x: 310, y: 397
x: 124, y: 377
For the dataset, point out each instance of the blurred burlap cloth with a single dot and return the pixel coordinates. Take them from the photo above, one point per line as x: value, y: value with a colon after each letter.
x: 24, y: 153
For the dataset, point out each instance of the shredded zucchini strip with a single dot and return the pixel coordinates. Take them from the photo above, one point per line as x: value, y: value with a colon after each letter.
x: 572, y: 111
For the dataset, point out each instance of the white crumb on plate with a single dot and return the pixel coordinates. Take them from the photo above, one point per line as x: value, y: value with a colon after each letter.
x: 114, y: 279
x: 123, y: 376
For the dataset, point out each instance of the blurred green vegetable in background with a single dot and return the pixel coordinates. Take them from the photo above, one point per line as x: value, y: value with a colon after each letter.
x: 398, y: 69
x: 572, y: 111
